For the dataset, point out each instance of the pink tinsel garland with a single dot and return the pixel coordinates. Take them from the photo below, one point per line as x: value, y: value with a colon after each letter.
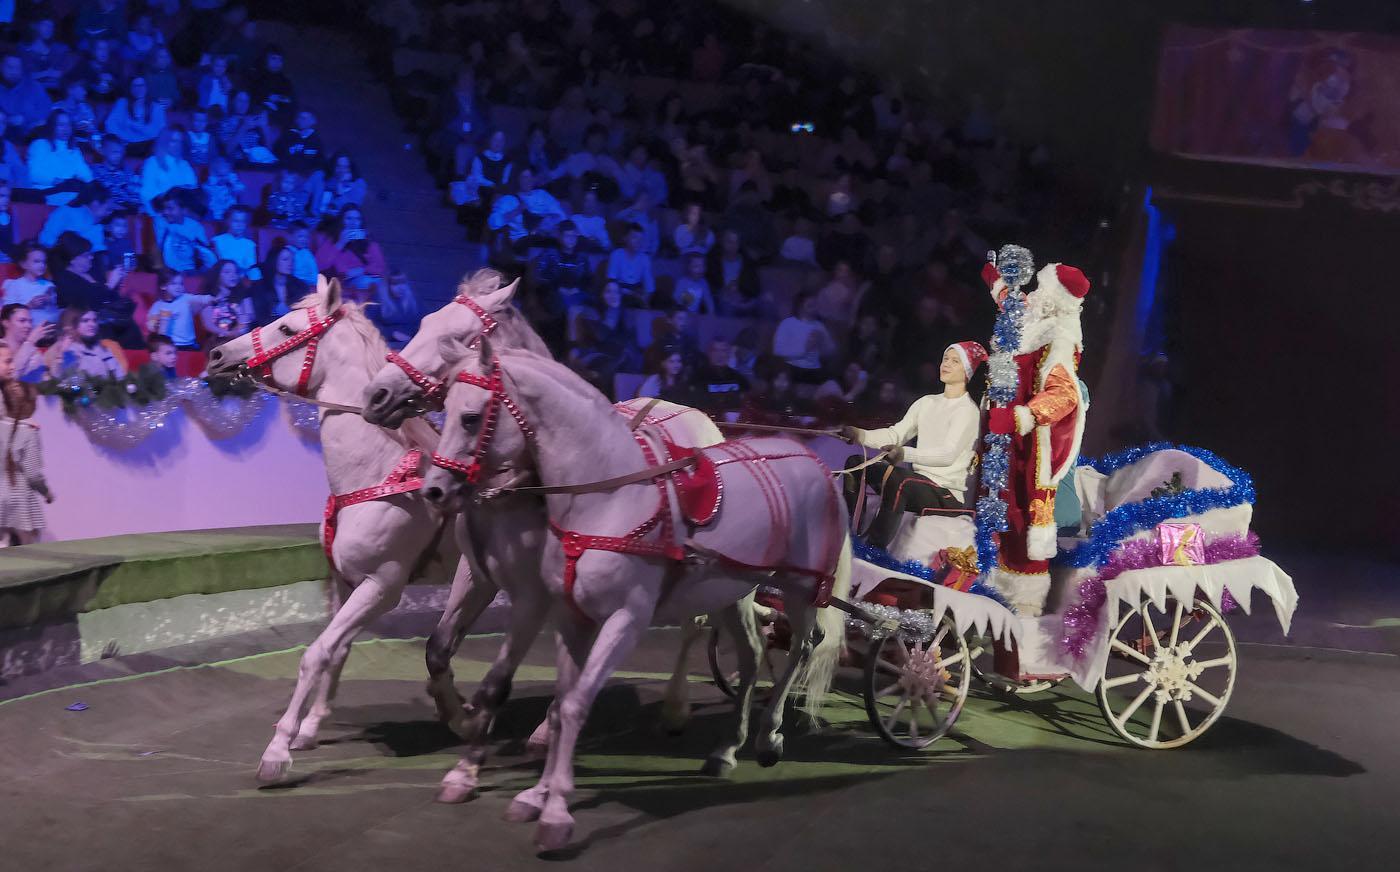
x: 1081, y: 620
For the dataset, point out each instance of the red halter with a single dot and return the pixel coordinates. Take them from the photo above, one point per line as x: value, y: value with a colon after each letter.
x: 260, y: 364
x: 434, y: 391
x: 493, y: 382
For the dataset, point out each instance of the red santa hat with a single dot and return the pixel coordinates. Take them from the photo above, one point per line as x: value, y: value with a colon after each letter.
x: 1063, y: 280
x: 971, y: 354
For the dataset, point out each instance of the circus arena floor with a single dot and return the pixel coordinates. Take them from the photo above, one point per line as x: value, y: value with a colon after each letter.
x: 156, y: 772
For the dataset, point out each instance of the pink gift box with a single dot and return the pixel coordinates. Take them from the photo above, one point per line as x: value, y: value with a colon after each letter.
x: 1181, y: 544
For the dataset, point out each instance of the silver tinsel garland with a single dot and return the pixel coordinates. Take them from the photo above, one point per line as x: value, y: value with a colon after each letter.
x: 219, y: 418
x: 914, y: 626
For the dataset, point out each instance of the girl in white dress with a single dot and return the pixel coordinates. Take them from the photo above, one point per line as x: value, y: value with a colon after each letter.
x: 22, y: 483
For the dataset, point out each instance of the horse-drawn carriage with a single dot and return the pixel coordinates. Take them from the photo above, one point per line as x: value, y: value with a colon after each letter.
x: 624, y: 519
x: 1136, y: 613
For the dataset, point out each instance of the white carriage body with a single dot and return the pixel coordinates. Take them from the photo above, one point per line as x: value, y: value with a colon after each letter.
x: 1040, y: 640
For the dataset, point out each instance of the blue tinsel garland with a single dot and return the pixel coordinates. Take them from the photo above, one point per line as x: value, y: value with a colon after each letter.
x: 1003, y: 381
x: 1109, y: 531
x: 882, y: 558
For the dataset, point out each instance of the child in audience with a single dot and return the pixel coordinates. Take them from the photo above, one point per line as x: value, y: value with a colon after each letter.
x: 235, y: 245
x: 591, y: 223
x: 303, y: 258
x: 287, y: 204
x: 163, y: 353
x: 181, y: 240
x: 199, y: 141
x: 173, y: 314
x: 119, y: 243
x: 112, y: 174
x: 31, y: 288
x: 630, y: 267
x: 222, y: 188
x: 692, y: 291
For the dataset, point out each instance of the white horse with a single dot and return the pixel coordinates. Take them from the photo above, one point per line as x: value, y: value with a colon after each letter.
x: 402, y: 389
x: 328, y: 349
x: 618, y: 558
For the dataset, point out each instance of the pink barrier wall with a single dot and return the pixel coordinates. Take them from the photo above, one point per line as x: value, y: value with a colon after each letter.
x: 180, y: 478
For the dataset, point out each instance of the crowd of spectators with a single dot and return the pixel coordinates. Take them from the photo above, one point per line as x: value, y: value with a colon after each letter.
x: 711, y: 211
x: 163, y: 187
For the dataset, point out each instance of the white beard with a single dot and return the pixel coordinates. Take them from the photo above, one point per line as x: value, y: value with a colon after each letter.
x: 1052, y: 316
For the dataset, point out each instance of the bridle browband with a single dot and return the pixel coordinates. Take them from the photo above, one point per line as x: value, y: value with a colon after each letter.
x: 260, y: 364
x: 434, y: 391
x: 494, y: 382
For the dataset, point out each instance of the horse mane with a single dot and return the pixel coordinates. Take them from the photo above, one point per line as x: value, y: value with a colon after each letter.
x: 354, y: 317
x: 575, y: 383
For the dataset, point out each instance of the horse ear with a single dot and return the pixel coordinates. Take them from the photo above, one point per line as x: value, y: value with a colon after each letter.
x: 330, y: 292
x: 495, y: 301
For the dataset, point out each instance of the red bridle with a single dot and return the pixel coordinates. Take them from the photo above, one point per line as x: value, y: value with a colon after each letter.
x: 260, y: 364
x: 493, y: 382
x: 434, y: 391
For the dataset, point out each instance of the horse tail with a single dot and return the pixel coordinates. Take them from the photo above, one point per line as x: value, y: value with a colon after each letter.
x: 814, y: 682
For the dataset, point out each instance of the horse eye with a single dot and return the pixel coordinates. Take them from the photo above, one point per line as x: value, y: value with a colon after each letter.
x: 470, y: 420
x: 286, y: 330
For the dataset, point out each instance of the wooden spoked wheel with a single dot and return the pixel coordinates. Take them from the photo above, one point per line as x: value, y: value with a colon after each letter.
x: 915, y: 689
x: 1169, y: 675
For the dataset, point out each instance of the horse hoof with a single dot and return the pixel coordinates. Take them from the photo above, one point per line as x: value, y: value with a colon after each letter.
x: 768, y: 757
x: 304, y: 743
x: 553, y: 837
x: 452, y: 794
x: 521, y: 812
x: 714, y: 767
x: 273, y: 771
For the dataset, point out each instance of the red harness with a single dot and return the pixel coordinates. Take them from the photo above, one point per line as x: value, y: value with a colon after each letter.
x: 699, y: 500
x: 576, y: 544
x: 434, y: 391
x: 471, y: 469
x: 404, y: 477
x: 260, y: 364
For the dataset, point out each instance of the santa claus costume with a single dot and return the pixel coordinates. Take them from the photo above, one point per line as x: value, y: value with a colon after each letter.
x: 1037, y: 419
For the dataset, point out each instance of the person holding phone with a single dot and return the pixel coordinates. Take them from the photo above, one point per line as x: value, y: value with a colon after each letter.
x: 77, y: 287
x: 18, y: 334
x: 353, y: 256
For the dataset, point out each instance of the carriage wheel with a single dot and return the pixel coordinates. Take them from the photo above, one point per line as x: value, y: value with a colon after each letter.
x: 915, y: 690
x: 724, y: 667
x: 1159, y: 661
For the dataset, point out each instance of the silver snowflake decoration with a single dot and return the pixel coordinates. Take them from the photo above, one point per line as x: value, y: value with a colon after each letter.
x: 1016, y: 265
